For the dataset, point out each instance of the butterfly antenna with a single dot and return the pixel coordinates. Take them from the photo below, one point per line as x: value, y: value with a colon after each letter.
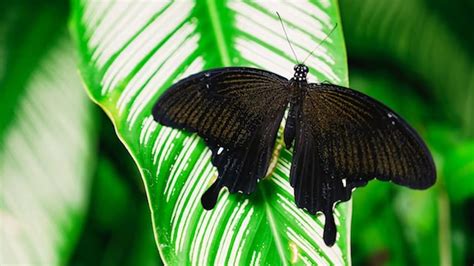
x: 321, y: 42
x: 288, y: 39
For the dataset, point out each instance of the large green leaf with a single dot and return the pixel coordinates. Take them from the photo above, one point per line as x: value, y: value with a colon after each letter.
x: 45, y: 162
x: 132, y: 51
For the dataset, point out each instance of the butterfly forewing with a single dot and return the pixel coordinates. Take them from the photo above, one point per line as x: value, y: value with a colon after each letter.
x: 238, y: 112
x: 223, y: 105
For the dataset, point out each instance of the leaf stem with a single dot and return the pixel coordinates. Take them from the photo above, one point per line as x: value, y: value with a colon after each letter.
x: 444, y: 229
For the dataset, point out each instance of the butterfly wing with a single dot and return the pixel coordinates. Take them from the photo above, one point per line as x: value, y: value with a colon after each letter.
x: 345, y: 139
x: 237, y: 111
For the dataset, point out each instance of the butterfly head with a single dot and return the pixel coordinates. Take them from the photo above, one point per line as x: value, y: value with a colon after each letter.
x: 301, y: 71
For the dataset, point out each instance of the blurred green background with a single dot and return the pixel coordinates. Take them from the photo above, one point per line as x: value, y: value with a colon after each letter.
x: 416, y: 56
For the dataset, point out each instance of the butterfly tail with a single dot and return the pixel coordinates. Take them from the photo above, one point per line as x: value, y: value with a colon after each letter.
x: 209, y: 198
x: 330, y: 231
x: 240, y: 172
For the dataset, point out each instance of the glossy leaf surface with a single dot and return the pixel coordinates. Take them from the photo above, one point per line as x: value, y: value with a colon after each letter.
x: 132, y: 51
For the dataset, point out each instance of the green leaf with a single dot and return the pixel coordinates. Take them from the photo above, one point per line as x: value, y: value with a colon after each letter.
x: 457, y: 160
x: 23, y: 44
x: 132, y: 51
x: 377, y: 232
x: 45, y: 162
x: 116, y: 236
x: 412, y: 36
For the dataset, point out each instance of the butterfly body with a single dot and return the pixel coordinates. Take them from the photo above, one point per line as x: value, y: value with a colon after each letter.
x: 297, y: 88
x: 341, y: 139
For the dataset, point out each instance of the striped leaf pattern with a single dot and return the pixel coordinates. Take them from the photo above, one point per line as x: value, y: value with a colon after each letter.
x: 45, y: 165
x: 132, y: 51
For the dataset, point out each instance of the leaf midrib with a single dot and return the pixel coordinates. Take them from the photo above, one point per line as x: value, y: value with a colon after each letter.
x: 216, y: 27
x: 272, y: 224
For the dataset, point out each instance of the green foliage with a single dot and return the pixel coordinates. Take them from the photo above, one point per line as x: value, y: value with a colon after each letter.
x: 23, y: 47
x: 46, y: 154
x: 415, y: 38
x: 60, y: 205
x: 117, y: 230
x: 417, y: 56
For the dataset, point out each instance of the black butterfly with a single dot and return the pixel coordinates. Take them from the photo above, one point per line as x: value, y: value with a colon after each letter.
x: 342, y: 138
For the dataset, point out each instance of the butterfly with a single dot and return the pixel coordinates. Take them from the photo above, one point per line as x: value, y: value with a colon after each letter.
x: 341, y: 138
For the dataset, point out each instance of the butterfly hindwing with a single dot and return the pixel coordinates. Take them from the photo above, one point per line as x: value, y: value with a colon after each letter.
x: 237, y: 111
x: 344, y: 139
